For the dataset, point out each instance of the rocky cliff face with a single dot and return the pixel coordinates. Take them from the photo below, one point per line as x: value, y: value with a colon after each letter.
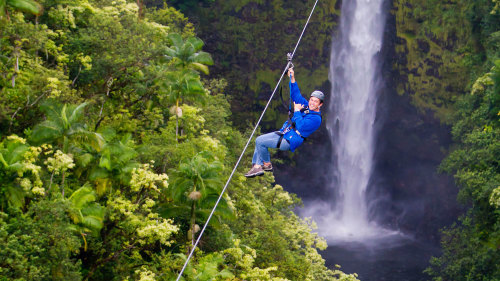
x: 249, y: 41
x: 427, y: 49
x: 431, y: 39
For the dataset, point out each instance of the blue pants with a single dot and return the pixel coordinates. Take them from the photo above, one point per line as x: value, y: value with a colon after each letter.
x: 262, y: 143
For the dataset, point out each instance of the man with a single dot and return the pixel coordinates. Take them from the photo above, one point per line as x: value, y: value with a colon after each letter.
x: 306, y: 119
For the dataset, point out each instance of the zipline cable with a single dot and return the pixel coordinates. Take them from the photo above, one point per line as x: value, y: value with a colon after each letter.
x: 246, y: 146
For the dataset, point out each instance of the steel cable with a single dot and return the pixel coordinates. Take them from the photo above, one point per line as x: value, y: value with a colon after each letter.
x: 246, y: 146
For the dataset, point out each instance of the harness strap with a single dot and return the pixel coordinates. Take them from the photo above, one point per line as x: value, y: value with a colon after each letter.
x: 292, y: 126
x: 281, y: 134
x: 298, y: 133
x: 284, y: 104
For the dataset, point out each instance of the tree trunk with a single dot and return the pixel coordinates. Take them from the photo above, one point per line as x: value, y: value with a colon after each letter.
x: 62, y: 182
x: 140, y: 4
x: 16, y: 68
x: 193, y: 221
x: 76, y: 77
x: 51, y: 179
x: 176, y: 121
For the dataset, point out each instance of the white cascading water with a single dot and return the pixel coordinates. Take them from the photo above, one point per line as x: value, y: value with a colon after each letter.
x: 354, y: 73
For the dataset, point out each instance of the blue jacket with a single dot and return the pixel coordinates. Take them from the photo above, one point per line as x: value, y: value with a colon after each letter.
x: 305, y: 122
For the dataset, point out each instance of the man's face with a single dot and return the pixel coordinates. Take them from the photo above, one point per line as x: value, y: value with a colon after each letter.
x: 314, y: 103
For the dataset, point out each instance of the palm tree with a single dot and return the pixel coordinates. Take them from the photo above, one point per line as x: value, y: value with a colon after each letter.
x: 197, y: 183
x: 187, y: 54
x: 115, y: 162
x: 177, y: 85
x: 27, y: 6
x: 87, y: 216
x: 64, y: 127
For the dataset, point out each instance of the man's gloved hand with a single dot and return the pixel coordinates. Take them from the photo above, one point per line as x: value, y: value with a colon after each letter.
x: 297, y: 106
x: 291, y: 75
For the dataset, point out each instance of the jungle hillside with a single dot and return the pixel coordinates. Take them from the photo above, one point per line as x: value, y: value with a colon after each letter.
x: 115, y: 142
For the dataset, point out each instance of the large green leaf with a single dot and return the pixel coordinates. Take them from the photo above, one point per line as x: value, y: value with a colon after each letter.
x: 98, y: 173
x: 87, y: 214
x: 201, y: 67
x: 2, y: 160
x: 175, y: 39
x: 46, y: 131
x: 105, y: 161
x: 196, y: 42
x: 77, y: 113
x: 15, y: 196
x: 16, y: 152
x: 203, y: 58
x: 84, y: 159
x: 3, y: 5
x: 82, y: 196
x: 27, y: 6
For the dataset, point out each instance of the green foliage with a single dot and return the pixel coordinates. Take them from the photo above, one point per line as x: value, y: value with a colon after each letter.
x: 208, y: 268
x: 185, y: 83
x: 27, y: 6
x: 88, y: 88
x: 188, y: 54
x: 87, y: 216
x: 19, y: 175
x: 471, y: 250
x: 177, y: 85
x: 198, y: 174
x: 197, y: 182
x: 114, y: 164
x: 38, y: 245
x: 171, y: 17
x: 64, y: 125
x: 187, y: 5
x: 448, y: 63
x: 441, y: 45
x: 465, y: 255
x: 25, y: 78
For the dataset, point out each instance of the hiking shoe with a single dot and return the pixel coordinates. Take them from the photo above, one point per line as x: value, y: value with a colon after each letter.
x: 255, y: 171
x: 267, y: 168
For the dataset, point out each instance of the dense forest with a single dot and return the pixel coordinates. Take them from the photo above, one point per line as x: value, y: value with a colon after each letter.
x: 449, y: 63
x: 116, y: 138
x: 115, y: 143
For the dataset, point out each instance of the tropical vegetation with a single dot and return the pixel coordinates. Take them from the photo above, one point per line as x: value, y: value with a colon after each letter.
x: 114, y: 144
x: 453, y: 72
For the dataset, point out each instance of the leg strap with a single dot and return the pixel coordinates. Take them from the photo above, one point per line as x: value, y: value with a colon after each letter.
x: 280, y: 139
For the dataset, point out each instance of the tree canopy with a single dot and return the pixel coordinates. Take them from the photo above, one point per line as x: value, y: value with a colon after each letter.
x: 101, y: 179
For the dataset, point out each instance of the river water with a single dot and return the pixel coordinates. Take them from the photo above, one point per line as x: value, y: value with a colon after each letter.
x: 392, y: 259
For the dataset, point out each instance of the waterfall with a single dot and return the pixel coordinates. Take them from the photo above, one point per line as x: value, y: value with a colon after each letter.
x: 355, y: 76
x: 353, y: 72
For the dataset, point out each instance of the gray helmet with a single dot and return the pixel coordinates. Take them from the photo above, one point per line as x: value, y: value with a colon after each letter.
x: 318, y: 94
